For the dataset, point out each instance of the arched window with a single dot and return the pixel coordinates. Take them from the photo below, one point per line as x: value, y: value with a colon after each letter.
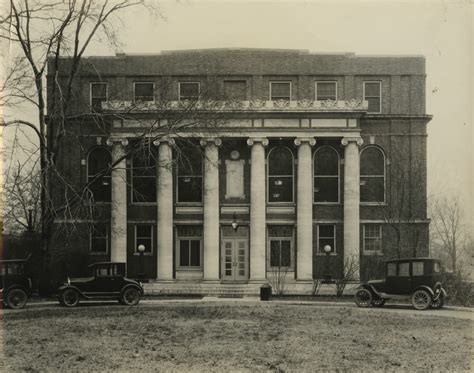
x: 98, y: 168
x: 280, y: 175
x: 144, y: 176
x: 372, y: 175
x: 326, y: 175
x: 189, y: 159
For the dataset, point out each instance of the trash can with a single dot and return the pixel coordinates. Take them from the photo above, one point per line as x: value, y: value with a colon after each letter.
x: 265, y: 292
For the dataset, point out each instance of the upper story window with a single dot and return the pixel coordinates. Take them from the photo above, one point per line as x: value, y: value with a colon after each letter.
x: 235, y: 90
x: 98, y: 238
x: 373, y: 94
x: 144, y: 236
x: 189, y: 174
x: 98, y: 94
x: 144, y: 91
x: 280, y: 175
x: 98, y: 174
x: 280, y: 91
x: 326, y: 236
x: 188, y: 91
x: 372, y: 175
x: 144, y: 177
x: 326, y: 175
x: 326, y: 91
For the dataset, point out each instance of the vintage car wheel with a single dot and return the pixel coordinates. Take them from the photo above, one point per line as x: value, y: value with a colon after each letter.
x: 70, y: 298
x: 130, y: 296
x: 378, y: 302
x: 438, y: 303
x: 16, y: 298
x: 363, y: 297
x: 421, y: 299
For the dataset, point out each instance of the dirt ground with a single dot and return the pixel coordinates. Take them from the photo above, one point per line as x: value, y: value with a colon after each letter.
x: 231, y: 337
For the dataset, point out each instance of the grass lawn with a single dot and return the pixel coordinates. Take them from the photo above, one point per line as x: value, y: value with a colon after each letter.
x: 236, y: 336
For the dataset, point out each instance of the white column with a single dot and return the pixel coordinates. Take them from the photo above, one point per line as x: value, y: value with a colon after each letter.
x: 164, y: 199
x: 211, y: 208
x: 304, y: 210
x: 257, y: 209
x: 351, y: 199
x: 118, y: 206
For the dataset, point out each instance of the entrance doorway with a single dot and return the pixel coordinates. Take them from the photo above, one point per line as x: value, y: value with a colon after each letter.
x: 235, y: 248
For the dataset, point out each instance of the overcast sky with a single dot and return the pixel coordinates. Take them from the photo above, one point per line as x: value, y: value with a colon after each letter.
x: 440, y: 30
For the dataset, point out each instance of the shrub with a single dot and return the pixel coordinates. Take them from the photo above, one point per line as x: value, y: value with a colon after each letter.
x: 460, y: 290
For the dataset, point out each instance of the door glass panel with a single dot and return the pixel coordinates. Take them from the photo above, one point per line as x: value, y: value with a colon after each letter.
x: 391, y: 269
x: 417, y: 268
x: 403, y: 269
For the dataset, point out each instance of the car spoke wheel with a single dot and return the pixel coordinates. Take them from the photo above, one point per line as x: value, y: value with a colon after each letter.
x: 70, y: 298
x: 16, y: 299
x: 130, y: 297
x: 363, y: 298
x: 438, y: 303
x: 421, y: 299
x: 378, y: 302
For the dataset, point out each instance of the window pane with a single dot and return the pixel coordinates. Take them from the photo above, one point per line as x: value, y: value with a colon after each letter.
x: 147, y: 242
x: 274, y: 253
x: 184, y: 253
x: 101, y: 190
x: 280, y: 231
x: 285, y: 254
x: 99, y: 90
x: 188, y: 91
x: 189, y: 161
x: 372, y: 189
x: 190, y: 231
x: 372, y: 89
x: 144, y: 231
x: 98, y: 245
x: 280, y: 162
x: 326, y: 231
x: 99, y: 160
x: 325, y: 91
x: 195, y: 253
x: 326, y: 189
x: 144, y: 164
x: 144, y: 189
x: 372, y: 162
x: 144, y: 92
x: 403, y: 269
x: 280, y: 189
x: 235, y: 90
x: 417, y: 268
x: 326, y: 241
x: 391, y: 269
x: 374, y: 104
x: 189, y: 189
x: 280, y: 91
x: 326, y: 162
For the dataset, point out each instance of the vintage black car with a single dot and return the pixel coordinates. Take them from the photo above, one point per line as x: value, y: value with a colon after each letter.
x: 14, y: 283
x: 108, y: 282
x: 418, y: 279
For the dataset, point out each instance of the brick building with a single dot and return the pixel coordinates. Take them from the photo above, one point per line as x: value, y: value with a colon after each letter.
x: 314, y: 158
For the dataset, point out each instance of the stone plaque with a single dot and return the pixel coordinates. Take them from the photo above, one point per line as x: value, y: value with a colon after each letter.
x: 234, y: 179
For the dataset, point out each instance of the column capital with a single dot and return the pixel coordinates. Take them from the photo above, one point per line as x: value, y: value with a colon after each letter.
x: 263, y: 140
x: 301, y: 140
x: 170, y: 141
x: 207, y: 141
x: 114, y: 140
x: 346, y: 140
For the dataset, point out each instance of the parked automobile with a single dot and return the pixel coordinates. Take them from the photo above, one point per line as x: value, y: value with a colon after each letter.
x: 15, y: 284
x: 418, y: 279
x: 107, y: 282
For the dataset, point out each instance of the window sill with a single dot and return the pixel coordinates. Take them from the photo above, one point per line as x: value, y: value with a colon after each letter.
x: 189, y: 269
x: 328, y: 203
x: 374, y: 204
x: 281, y: 269
x: 144, y: 254
x: 143, y: 204
x: 372, y: 253
x: 98, y: 254
x: 324, y: 254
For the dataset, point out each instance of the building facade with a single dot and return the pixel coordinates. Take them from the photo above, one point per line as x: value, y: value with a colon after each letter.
x: 219, y: 168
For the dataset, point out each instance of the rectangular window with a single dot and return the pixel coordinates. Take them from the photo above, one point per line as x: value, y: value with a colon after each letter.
x: 281, y: 246
x: 326, y: 91
x: 144, y: 177
x: 417, y: 268
x: 190, y: 164
x: 326, y: 237
x: 98, y: 94
x: 235, y: 90
x: 144, y: 91
x: 404, y: 269
x: 188, y: 91
x: 144, y: 236
x: 189, y: 247
x: 280, y: 91
x: 372, y: 234
x: 373, y: 94
x: 99, y: 238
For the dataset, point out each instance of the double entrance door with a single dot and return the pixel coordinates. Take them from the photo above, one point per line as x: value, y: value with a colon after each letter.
x: 235, y: 248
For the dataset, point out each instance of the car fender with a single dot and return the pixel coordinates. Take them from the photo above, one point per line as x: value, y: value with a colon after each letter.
x: 426, y: 288
x: 6, y: 291
x: 369, y: 288
x: 65, y: 287
x: 136, y: 286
